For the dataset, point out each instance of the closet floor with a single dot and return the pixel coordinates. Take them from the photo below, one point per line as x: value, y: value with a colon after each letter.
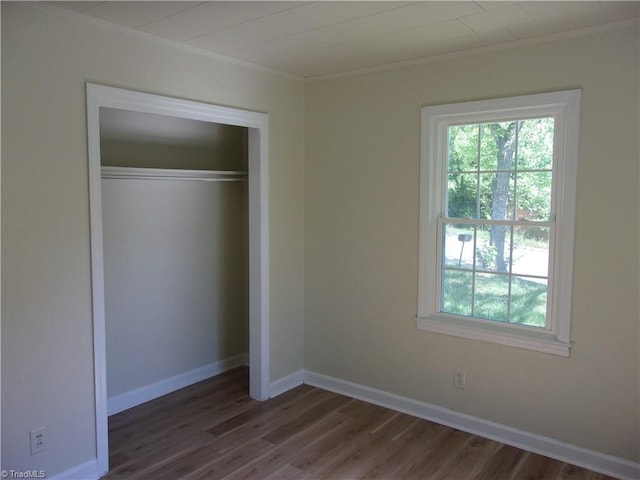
x: 213, y: 430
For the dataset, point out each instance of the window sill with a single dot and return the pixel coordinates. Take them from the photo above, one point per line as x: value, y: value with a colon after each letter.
x: 494, y: 332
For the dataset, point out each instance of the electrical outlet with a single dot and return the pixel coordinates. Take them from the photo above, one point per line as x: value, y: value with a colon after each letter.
x: 38, y: 440
x: 459, y: 379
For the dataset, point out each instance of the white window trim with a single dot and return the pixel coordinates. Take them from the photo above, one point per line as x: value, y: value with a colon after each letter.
x: 564, y: 106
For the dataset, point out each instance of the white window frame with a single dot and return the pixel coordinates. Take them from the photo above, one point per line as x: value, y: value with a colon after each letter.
x: 564, y: 107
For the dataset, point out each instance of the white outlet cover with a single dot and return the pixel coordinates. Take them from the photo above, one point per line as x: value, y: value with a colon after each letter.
x: 38, y: 440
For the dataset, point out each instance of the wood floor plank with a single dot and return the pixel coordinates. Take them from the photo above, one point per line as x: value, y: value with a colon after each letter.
x: 305, y: 457
x: 283, y: 454
x: 178, y: 418
x: 438, y: 457
x: 223, y: 386
x: 469, y: 461
x: 118, y: 459
x: 411, y: 448
x: 396, y: 426
x: 268, y: 419
x: 177, y: 427
x: 153, y: 458
x: 537, y: 467
x: 502, y: 463
x: 364, y: 454
x: 343, y: 439
x: 286, y: 405
x: 213, y: 430
x: 198, y: 468
x: 307, y: 418
x: 287, y: 472
x: 572, y: 472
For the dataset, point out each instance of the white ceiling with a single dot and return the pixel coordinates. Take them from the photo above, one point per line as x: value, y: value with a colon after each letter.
x: 311, y: 39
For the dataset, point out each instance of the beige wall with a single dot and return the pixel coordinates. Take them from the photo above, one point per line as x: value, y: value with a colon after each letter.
x: 175, y: 278
x: 127, y: 139
x: 47, y: 356
x: 362, y: 142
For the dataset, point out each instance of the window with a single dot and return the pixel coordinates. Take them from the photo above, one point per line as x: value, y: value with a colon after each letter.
x: 498, y: 182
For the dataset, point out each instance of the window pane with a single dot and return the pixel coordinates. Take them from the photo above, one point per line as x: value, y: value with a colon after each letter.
x: 497, y: 195
x: 503, y: 189
x: 533, y: 196
x: 488, y: 149
x: 497, y: 146
x: 535, y: 144
x: 529, y: 301
x: 457, y: 287
x: 493, y: 248
x: 463, y: 148
x: 462, y: 195
x: 531, y: 251
x: 491, y: 296
x: 458, y: 246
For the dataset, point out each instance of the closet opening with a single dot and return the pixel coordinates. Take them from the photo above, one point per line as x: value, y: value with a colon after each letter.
x: 179, y: 244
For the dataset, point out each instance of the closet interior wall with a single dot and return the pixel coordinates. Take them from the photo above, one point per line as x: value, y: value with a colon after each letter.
x: 175, y: 249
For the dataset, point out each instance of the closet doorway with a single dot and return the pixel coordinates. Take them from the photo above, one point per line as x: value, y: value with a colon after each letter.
x: 105, y: 104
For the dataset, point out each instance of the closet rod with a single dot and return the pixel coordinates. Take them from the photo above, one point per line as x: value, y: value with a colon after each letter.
x: 173, y: 174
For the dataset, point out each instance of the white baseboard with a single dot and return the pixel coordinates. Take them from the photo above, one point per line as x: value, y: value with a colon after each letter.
x: 287, y: 383
x: 84, y: 471
x: 565, y: 452
x: 141, y: 395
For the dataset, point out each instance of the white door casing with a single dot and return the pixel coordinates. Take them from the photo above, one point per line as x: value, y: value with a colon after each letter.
x: 258, y: 127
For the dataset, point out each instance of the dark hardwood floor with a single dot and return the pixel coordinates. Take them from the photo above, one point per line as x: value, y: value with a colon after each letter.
x: 213, y: 430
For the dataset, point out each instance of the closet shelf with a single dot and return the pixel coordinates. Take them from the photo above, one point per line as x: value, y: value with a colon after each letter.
x: 173, y: 174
